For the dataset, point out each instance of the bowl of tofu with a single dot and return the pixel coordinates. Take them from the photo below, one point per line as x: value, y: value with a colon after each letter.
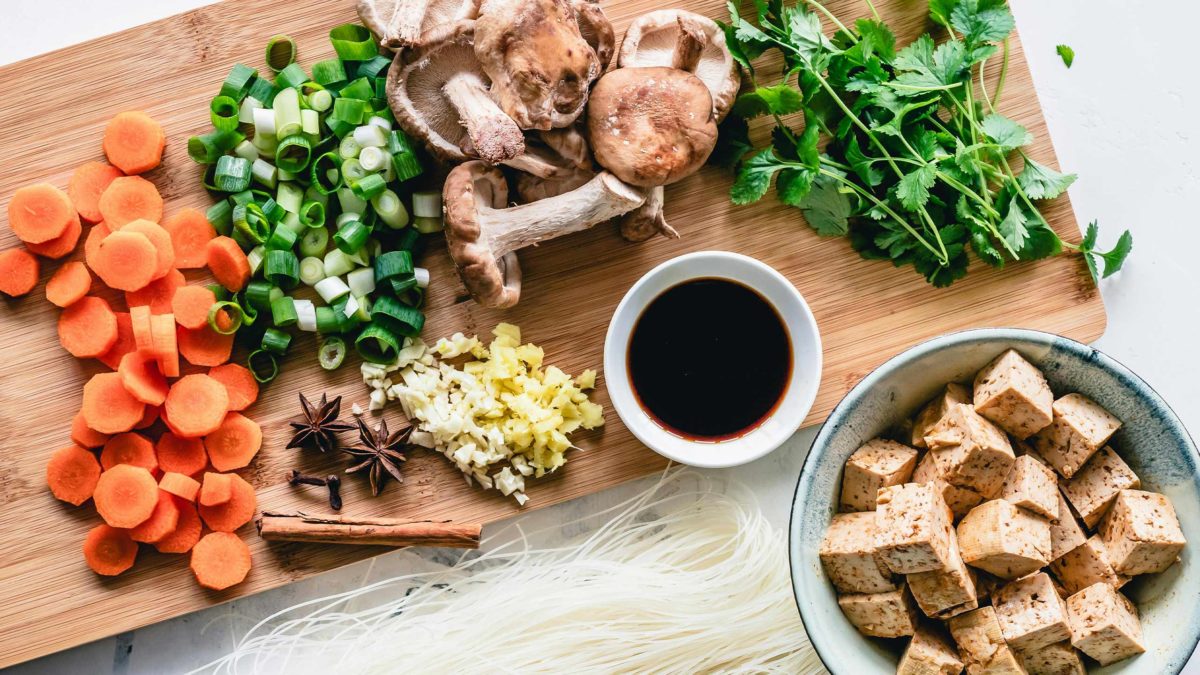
x: 999, y: 501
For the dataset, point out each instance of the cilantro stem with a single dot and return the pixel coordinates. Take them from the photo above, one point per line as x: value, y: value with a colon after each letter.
x: 828, y: 14
x: 874, y: 11
x: 970, y: 194
x: 1003, y: 77
x: 882, y: 207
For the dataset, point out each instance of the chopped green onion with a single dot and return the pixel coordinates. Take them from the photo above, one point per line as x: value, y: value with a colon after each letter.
x: 237, y: 83
x: 407, y: 240
x: 208, y: 148
x: 287, y: 113
x: 224, y: 111
x: 283, y: 311
x: 374, y: 68
x: 393, y: 264
x: 281, y: 239
x: 310, y: 123
x: 263, y: 365
x: 326, y: 173
x: 220, y: 216
x: 312, y: 270
x: 312, y: 194
x: 371, y: 136
x: 265, y: 172
x: 421, y: 274
x: 352, y: 170
x: 349, y: 201
x: 413, y: 296
x: 352, y: 236
x: 232, y: 175
x: 250, y: 311
x: 377, y: 344
x: 258, y: 294
x: 426, y: 225
x: 306, y: 315
x: 282, y: 268
x: 353, y: 42
x: 368, y: 186
x: 346, y: 217
x: 232, y: 311
x: 404, y: 157
x: 276, y: 341
x: 373, y: 158
x: 329, y: 72
x: 349, y: 148
x: 292, y: 222
x: 291, y: 77
x: 390, y: 209
x: 272, y: 210
x: 246, y: 150
x: 331, y: 288
x: 337, y: 263
x: 264, y: 122
x: 290, y: 196
x: 349, y: 110
x: 314, y: 241
x: 281, y: 52
x: 332, y: 352
x: 361, y: 281
x: 263, y: 90
x: 246, y: 109
x: 219, y: 292
x: 427, y: 204
x: 293, y: 153
x: 327, y: 321
x: 255, y: 258
x: 401, y: 319
x: 243, y: 197
x: 362, y: 90
x: 381, y: 122
x: 312, y: 214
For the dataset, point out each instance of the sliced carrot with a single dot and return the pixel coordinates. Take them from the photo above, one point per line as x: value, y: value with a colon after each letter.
x: 190, y: 233
x: 72, y: 473
x: 227, y: 263
x: 234, y: 513
x: 220, y: 560
x: 107, y: 407
x: 140, y: 321
x: 158, y: 293
x: 163, y: 248
x: 71, y: 282
x: 109, y: 550
x: 18, y: 271
x: 217, y: 488
x: 234, y: 444
x: 141, y: 377
x: 184, y: 487
x: 126, y: 261
x: 130, y: 198
x: 61, y: 245
x: 166, y: 347
x: 187, y: 530
x: 128, y: 448
x: 126, y: 495
x: 91, y: 246
x: 124, y: 344
x: 181, y: 455
x: 190, y: 306
x: 89, y: 181
x: 149, y: 417
x: 205, y: 346
x: 239, y: 383
x: 196, y: 405
x: 84, y: 435
x: 162, y: 520
x: 134, y: 142
x: 88, y: 328
x: 39, y: 213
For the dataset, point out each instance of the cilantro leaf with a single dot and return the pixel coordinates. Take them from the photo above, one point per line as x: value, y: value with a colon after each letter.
x: 1004, y: 132
x: 981, y: 243
x: 804, y: 33
x: 877, y: 38
x: 779, y: 99
x: 940, y: 11
x: 1041, y: 182
x: 982, y: 21
x: 924, y: 66
x: 1113, y: 259
x: 861, y: 164
x: 794, y: 185
x: 1013, y: 228
x: 733, y: 142
x: 1066, y: 54
x: 913, y: 188
x: 1042, y: 243
x: 754, y: 177
x: 827, y: 209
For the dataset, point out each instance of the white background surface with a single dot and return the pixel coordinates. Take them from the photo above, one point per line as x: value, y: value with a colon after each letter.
x: 1124, y: 118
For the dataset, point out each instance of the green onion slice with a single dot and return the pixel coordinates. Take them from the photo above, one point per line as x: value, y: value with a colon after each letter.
x: 282, y: 239
x: 360, y: 90
x: 393, y: 264
x: 282, y: 268
x: 276, y: 341
x: 397, y: 317
x: 293, y: 153
x: 378, y: 344
x: 234, y: 316
x: 326, y: 173
x: 312, y: 270
x: 263, y: 365
x: 329, y: 72
x: 273, y: 211
x: 250, y: 221
x: 292, y: 76
x: 320, y: 100
x: 220, y: 216
x: 407, y: 241
x: 237, y: 83
x: 281, y: 52
x: 208, y: 148
x: 283, y: 312
x: 332, y: 352
x: 352, y: 236
x: 232, y: 174
x: 223, y: 111
x: 312, y: 214
x: 368, y: 186
x: 263, y: 90
x: 353, y: 42
x: 327, y: 321
x: 375, y: 68
x: 258, y: 294
x: 314, y: 242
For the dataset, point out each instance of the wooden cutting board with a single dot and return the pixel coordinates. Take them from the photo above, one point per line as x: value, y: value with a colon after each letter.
x: 53, y: 113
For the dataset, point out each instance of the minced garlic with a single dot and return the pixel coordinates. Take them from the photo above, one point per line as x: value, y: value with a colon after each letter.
x: 500, y: 417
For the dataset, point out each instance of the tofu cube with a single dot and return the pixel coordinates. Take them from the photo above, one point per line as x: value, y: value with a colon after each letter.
x: 929, y: 652
x: 1059, y: 658
x: 850, y: 555
x: 1031, y: 613
x: 1141, y: 533
x: 914, y: 527
x: 877, y: 464
x: 981, y: 644
x: 1065, y: 532
x: 1033, y: 486
x: 1004, y: 540
x: 945, y: 593
x: 1014, y: 394
x: 933, y: 412
x: 1087, y: 564
x: 960, y: 500
x: 970, y: 451
x: 1104, y: 624
x: 1092, y: 490
x: 1080, y: 428
x: 887, y: 615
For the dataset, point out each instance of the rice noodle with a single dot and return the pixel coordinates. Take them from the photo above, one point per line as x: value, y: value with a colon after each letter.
x: 678, y: 579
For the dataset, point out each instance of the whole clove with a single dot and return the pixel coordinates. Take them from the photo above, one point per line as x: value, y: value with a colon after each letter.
x: 333, y: 483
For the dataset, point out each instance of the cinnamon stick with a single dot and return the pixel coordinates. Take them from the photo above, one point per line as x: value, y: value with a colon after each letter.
x: 338, y: 529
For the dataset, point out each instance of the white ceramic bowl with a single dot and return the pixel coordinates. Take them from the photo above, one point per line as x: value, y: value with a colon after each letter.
x: 801, y: 388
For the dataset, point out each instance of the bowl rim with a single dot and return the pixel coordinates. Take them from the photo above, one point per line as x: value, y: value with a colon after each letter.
x: 934, y: 344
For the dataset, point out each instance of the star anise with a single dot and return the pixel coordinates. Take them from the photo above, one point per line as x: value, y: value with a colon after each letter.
x: 380, y: 455
x: 319, y: 425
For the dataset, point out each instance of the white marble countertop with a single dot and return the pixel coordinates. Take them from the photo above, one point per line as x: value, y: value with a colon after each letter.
x: 1124, y: 118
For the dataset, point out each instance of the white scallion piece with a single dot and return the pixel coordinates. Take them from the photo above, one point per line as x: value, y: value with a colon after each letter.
x: 331, y: 288
x: 422, y: 276
x: 344, y: 218
x: 373, y: 158
x: 255, y: 258
x: 382, y: 122
x: 246, y: 151
x: 266, y: 145
x: 290, y: 196
x: 306, y: 315
x: 310, y: 122
x: 427, y: 204
x: 312, y: 270
x: 370, y: 136
x: 351, y: 306
x: 246, y: 111
x: 349, y: 148
x: 337, y: 263
x: 350, y: 202
x: 389, y: 208
x: 287, y: 112
x: 264, y: 122
x: 264, y: 172
x: 361, y: 281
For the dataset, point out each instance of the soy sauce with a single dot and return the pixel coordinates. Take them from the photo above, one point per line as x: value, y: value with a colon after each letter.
x: 709, y: 359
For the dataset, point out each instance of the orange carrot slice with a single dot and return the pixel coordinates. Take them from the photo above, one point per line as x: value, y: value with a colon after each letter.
x: 181, y: 455
x: 205, y: 346
x: 60, y: 246
x: 184, y: 487
x: 166, y: 348
x: 91, y: 246
x: 190, y: 233
x: 124, y: 344
x: 187, y: 530
x: 239, y: 383
x: 109, y: 550
x: 89, y: 181
x: 196, y: 405
x: 88, y: 328
x: 125, y: 495
x: 234, y: 444
x: 157, y: 294
x: 149, y: 417
x: 217, y: 488
x: 72, y: 474
x: 163, y: 248
x: 126, y: 261
x: 220, y: 560
x: 18, y: 272
x: 228, y: 264
x: 190, y: 306
x: 140, y: 318
x: 129, y: 448
x: 39, y: 213
x: 108, y: 407
x: 234, y: 513
x: 141, y: 377
x: 84, y: 435
x: 134, y: 142
x: 162, y: 520
x: 130, y: 198
x: 71, y: 282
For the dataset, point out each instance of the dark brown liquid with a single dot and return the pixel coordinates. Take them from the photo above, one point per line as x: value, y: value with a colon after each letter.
x: 709, y: 359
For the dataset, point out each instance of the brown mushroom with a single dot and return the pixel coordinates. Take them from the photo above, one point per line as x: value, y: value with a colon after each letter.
x: 400, y: 24
x: 483, y: 236
x: 538, y: 61
x: 596, y: 29
x: 439, y: 94
x: 686, y: 41
x: 564, y: 163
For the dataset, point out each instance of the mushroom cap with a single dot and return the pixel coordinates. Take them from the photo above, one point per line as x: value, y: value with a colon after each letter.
x: 651, y: 126
x: 491, y: 281
x: 596, y: 29
x: 652, y: 38
x: 393, y: 21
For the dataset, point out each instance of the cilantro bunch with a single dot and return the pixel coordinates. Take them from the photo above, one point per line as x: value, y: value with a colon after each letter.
x: 899, y: 150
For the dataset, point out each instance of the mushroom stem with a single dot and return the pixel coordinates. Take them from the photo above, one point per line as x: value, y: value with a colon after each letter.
x: 596, y: 201
x: 405, y: 26
x: 690, y: 45
x: 493, y: 135
x: 536, y: 162
x: 647, y: 220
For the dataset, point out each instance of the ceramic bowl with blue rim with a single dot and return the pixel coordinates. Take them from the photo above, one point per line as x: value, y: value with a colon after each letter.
x: 1151, y: 440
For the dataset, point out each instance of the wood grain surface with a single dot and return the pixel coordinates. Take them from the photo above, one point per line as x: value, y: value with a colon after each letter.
x: 53, y: 113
